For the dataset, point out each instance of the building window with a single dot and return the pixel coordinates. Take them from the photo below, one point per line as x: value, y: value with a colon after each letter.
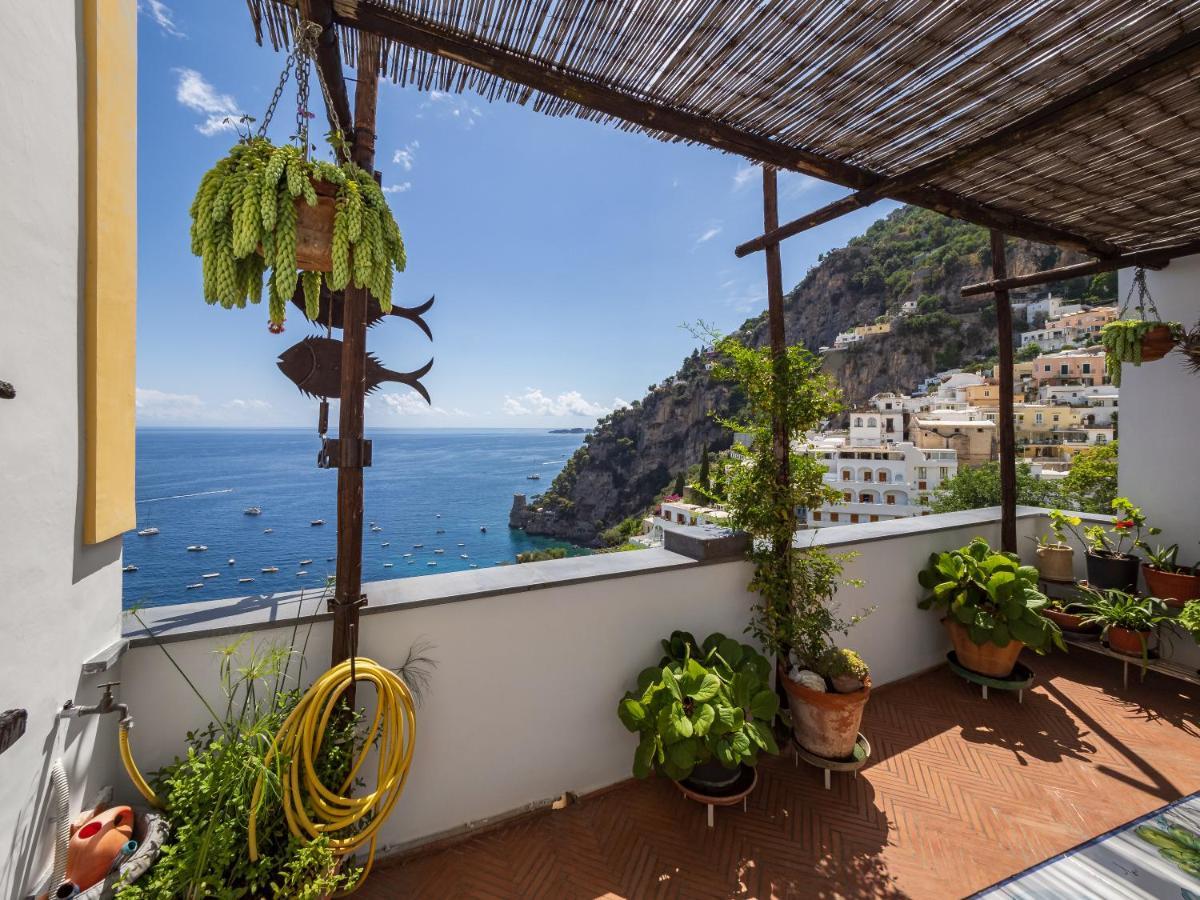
x: 891, y: 499
x: 1037, y: 419
x: 847, y: 497
x: 833, y: 517
x: 679, y: 518
x: 883, y: 476
x: 921, y: 486
x: 816, y: 516
x: 871, y: 422
x: 944, y: 471
x: 867, y: 475
x: 1087, y: 368
x: 922, y: 472
x: 858, y: 422
x: 865, y: 498
x: 874, y: 518
x: 853, y: 518
x: 846, y: 476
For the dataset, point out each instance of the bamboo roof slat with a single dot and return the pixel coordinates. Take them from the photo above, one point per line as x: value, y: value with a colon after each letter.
x: 854, y: 91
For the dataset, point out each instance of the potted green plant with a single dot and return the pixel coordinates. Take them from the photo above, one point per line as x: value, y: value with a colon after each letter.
x: 1128, y: 620
x: 1189, y: 619
x: 992, y: 606
x: 703, y: 713
x: 794, y: 618
x: 265, y: 207
x: 1165, y: 578
x: 1137, y: 340
x: 1068, y: 615
x: 1111, y: 562
x: 1055, y: 557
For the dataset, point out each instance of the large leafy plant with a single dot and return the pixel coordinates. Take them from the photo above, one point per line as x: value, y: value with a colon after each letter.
x: 991, y: 594
x: 244, y: 223
x: 701, y: 702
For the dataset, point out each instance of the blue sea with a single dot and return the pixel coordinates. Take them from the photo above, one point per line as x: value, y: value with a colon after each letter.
x: 434, y: 488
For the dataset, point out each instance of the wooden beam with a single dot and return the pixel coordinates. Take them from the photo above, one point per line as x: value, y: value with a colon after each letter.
x: 348, y: 580
x: 775, y: 326
x: 329, y: 61
x: 1008, y: 438
x: 395, y: 25
x: 1155, y: 258
x: 1084, y: 100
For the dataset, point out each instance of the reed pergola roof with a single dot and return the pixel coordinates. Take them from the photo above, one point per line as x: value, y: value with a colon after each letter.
x: 1071, y: 121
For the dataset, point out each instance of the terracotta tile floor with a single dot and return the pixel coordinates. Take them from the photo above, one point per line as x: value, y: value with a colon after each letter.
x: 960, y: 793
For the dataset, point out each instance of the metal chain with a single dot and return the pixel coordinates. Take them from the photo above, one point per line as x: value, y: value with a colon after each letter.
x: 287, y: 70
x: 304, y: 51
x: 306, y: 43
x: 1146, y: 308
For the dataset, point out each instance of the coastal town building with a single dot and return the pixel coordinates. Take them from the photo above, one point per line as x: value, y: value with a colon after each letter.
x: 967, y: 432
x: 1073, y: 329
x: 877, y: 483
x: 1069, y: 367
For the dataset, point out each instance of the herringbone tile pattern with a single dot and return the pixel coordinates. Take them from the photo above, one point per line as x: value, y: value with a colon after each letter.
x: 960, y: 793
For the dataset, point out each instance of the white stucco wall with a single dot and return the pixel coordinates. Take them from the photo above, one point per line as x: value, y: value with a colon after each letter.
x: 523, y: 701
x: 61, y: 600
x: 1159, y: 421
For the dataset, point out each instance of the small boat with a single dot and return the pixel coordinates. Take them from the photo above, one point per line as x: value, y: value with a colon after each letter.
x: 441, y: 531
x: 408, y: 554
x: 147, y: 532
x: 130, y: 568
x: 412, y: 562
x: 386, y: 544
x: 418, y: 546
x: 208, y: 575
x: 306, y: 562
x: 270, y: 569
x: 245, y: 580
x: 372, y: 524
x: 315, y: 522
x: 534, y: 477
x: 197, y: 548
x: 463, y: 556
x: 192, y: 587
x: 330, y: 558
x: 474, y: 565
x: 461, y: 544
x: 376, y: 528
x: 439, y: 550
x: 483, y: 528
x: 387, y: 565
x: 252, y: 511
x: 268, y: 530
x: 438, y: 515
x: 232, y: 560
x: 431, y: 563
x: 301, y: 572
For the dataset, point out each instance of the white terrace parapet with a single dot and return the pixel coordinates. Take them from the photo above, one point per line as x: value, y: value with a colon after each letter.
x: 532, y: 658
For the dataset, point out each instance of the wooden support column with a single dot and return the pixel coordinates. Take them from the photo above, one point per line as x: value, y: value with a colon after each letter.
x: 348, y: 586
x: 775, y: 321
x: 1008, y: 438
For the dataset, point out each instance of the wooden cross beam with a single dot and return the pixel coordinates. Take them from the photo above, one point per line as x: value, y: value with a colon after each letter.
x: 1087, y: 99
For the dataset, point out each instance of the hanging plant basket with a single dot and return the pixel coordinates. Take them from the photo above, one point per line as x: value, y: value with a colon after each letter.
x: 1145, y: 338
x: 314, y: 229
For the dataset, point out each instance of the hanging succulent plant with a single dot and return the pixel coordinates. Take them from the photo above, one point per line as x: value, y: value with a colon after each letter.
x: 261, y: 204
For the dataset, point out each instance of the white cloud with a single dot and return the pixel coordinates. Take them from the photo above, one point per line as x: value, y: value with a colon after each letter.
x: 240, y: 404
x: 406, y: 155
x: 708, y: 234
x: 163, y: 406
x: 795, y: 184
x: 411, y: 404
x: 162, y: 15
x: 451, y: 106
x: 743, y: 175
x: 198, y: 95
x: 534, y: 402
x: 398, y: 188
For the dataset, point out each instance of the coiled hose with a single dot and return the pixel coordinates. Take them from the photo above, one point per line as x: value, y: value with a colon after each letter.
x: 299, y: 739
x: 60, y: 811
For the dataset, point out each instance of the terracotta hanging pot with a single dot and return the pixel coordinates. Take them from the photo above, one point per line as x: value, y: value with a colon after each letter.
x: 985, y: 658
x: 1157, y: 343
x: 825, y: 724
x: 314, y: 229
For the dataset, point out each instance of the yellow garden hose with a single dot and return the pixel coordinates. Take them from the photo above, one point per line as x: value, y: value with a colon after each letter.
x: 131, y: 767
x: 299, y: 739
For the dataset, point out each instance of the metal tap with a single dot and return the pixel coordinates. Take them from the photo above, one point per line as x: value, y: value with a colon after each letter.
x: 105, y: 706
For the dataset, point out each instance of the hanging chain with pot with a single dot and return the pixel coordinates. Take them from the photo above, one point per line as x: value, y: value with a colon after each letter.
x: 301, y: 57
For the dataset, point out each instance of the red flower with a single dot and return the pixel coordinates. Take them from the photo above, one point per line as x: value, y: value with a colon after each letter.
x: 275, y: 328
x: 1123, y: 524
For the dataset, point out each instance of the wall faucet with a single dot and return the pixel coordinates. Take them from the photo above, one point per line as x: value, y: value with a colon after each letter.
x: 106, y: 705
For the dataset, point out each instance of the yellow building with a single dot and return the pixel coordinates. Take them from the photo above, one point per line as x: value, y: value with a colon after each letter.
x: 983, y: 395
x: 1035, y: 421
x: 878, y: 328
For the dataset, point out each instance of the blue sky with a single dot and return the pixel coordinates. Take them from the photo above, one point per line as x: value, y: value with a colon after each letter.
x: 564, y: 254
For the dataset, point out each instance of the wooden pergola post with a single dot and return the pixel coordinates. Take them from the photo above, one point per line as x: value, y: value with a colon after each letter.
x: 1008, y: 439
x: 775, y: 323
x: 348, y: 597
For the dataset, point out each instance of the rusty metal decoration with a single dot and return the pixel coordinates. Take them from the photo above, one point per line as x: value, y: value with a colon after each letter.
x: 8, y: 392
x: 315, y: 366
x: 330, y: 314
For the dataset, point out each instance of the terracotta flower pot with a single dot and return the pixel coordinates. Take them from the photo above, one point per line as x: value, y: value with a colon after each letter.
x: 1131, y: 643
x: 1157, y: 343
x: 314, y: 229
x: 1106, y: 571
x: 985, y: 658
x: 825, y: 724
x: 1069, y: 621
x: 1173, y: 587
x: 1056, y: 562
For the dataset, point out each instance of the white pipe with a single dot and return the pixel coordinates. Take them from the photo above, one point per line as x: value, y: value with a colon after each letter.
x: 60, y: 811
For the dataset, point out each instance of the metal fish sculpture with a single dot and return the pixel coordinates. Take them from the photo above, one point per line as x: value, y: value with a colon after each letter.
x: 315, y: 366
x: 330, y: 306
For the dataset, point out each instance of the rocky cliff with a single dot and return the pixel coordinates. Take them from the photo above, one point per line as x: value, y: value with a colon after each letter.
x: 911, y: 255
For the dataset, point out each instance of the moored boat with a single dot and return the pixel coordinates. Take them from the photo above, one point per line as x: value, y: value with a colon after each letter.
x: 147, y: 532
x: 270, y: 569
x: 130, y: 568
x: 316, y: 522
x: 192, y: 587
x: 252, y: 511
x: 245, y: 580
x: 197, y: 548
